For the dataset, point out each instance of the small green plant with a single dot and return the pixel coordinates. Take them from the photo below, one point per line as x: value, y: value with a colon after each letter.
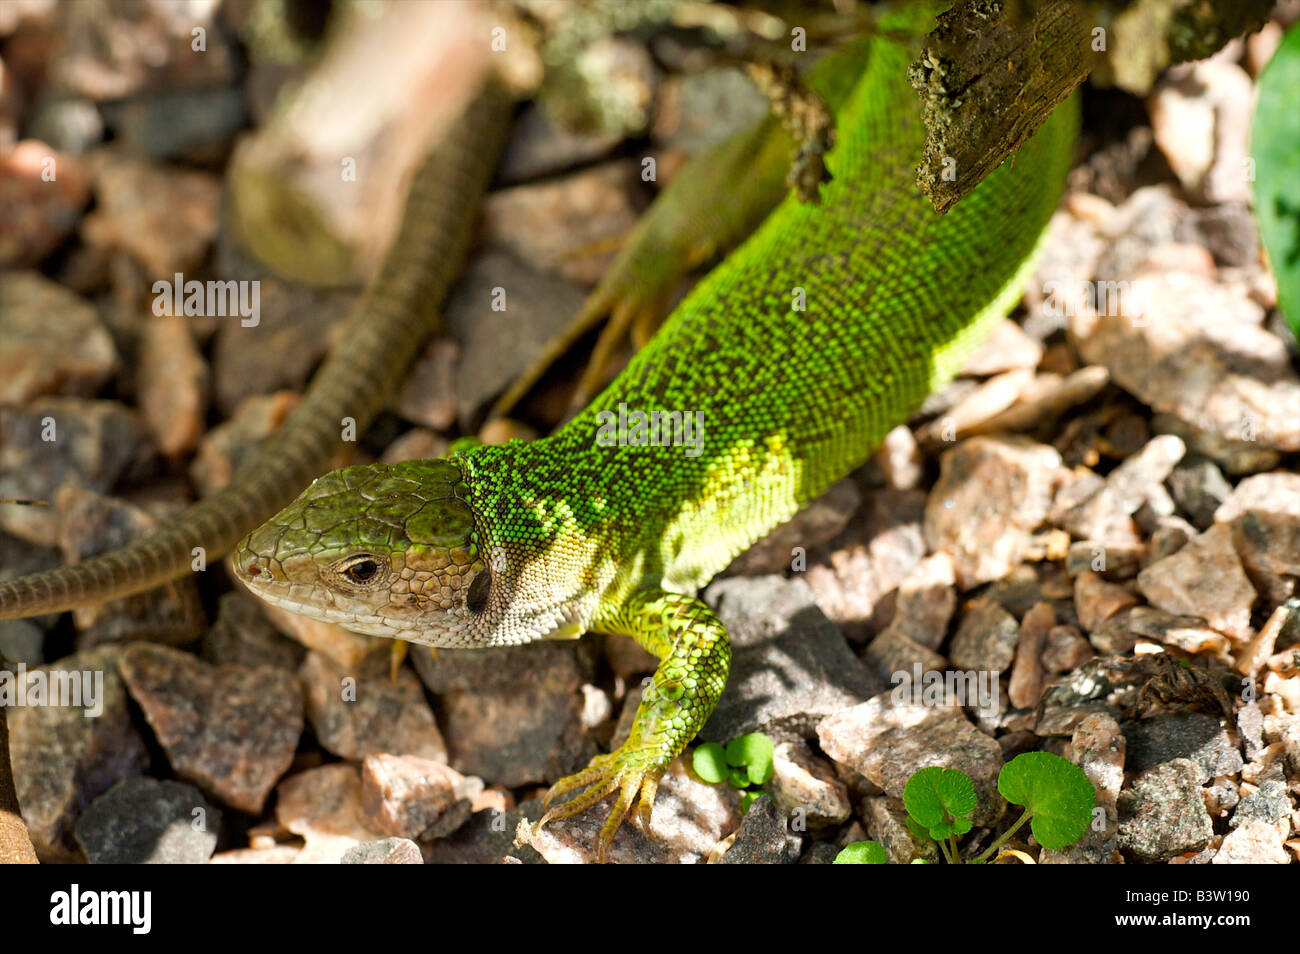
x: 745, y: 762
x: 1273, y: 166
x: 863, y: 853
x: 1056, y: 796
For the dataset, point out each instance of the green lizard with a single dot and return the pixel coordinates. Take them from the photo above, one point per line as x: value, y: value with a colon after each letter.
x: 576, y: 532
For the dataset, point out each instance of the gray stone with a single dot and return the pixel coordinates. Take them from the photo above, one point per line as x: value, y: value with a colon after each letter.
x: 21, y: 641
x: 51, y: 341
x: 925, y: 602
x: 428, y: 395
x: 1196, y: 736
x: 93, y: 523
x: 886, y: 820
x: 1200, y: 356
x: 230, y: 730
x: 804, y: 786
x: 195, y: 122
x: 852, y: 581
x: 1097, y: 747
x: 97, y: 444
x: 1199, y: 489
x: 513, y: 715
x: 763, y: 837
x: 488, y: 838
x: 1203, y: 579
x: 888, y: 742
x: 790, y: 666
x: 1164, y: 814
x: 1270, y: 804
x: 386, y: 851
x: 992, y: 493
x: 294, y: 330
x: 538, y: 147
x: 62, y: 759
x: 1107, y: 513
x: 986, y: 638
x: 359, y: 714
x: 243, y: 636
x: 496, y: 346
x: 146, y: 821
x: 819, y: 853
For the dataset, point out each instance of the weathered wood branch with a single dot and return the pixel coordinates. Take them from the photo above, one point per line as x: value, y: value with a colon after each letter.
x: 15, y: 845
x: 992, y: 70
x: 990, y: 73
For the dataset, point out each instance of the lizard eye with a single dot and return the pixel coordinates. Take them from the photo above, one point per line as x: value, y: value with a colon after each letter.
x: 476, y: 598
x: 362, y: 571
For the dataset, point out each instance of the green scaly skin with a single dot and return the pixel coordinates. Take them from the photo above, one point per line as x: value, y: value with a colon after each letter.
x: 510, y: 544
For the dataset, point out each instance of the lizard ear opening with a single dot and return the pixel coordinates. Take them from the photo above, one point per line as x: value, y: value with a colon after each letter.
x: 477, y: 597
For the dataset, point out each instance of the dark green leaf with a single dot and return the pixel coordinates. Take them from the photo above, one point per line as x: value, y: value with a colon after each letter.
x: 937, y: 797
x: 919, y: 831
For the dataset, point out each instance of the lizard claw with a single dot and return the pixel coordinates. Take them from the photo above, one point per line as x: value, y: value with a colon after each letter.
x: 627, y: 773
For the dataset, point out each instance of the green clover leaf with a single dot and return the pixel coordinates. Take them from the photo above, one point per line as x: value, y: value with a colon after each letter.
x: 941, y: 801
x: 1054, y: 791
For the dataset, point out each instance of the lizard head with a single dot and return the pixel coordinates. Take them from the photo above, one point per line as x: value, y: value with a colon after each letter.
x: 387, y: 550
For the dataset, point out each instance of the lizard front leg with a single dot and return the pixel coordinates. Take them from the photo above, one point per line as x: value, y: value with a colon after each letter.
x: 694, y: 659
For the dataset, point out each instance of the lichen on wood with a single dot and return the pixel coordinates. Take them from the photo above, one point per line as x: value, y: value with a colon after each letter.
x: 989, y: 74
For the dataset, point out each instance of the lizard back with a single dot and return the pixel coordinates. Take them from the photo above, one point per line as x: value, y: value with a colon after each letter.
x: 787, y: 399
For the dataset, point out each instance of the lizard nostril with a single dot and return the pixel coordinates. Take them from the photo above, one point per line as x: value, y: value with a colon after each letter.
x: 248, y: 563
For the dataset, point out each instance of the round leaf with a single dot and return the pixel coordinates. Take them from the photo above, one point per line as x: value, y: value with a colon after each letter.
x: 710, y: 762
x: 1056, y: 793
x: 937, y: 797
x: 753, y: 751
x: 862, y: 853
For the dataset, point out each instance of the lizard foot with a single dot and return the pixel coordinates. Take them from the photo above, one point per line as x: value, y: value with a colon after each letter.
x: 628, y: 772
